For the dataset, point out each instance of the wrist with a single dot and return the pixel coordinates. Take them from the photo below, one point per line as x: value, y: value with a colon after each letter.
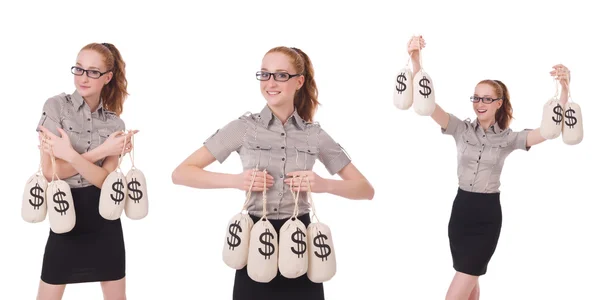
x: 71, y: 155
x: 329, y: 184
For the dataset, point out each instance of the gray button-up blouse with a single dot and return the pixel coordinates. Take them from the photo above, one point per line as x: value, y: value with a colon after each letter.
x: 86, y: 129
x: 262, y: 141
x: 481, y: 154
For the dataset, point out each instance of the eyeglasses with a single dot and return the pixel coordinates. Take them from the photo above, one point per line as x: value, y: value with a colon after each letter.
x: 486, y: 100
x: 95, y: 74
x: 278, y: 76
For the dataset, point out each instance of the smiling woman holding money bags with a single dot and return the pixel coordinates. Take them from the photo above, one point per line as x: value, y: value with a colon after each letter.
x: 282, y: 139
x: 83, y: 131
x: 482, y: 145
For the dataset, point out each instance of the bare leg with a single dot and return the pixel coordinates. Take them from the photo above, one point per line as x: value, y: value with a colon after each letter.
x: 114, y: 290
x: 461, y: 287
x: 50, y: 291
x: 475, y: 292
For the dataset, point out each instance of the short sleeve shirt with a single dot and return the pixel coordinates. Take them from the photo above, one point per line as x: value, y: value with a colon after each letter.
x: 481, y: 153
x: 86, y: 129
x: 263, y: 142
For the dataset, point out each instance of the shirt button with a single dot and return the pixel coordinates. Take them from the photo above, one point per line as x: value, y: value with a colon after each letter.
x: 280, y: 176
x: 78, y: 181
x: 88, y: 142
x: 88, y: 131
x: 283, y: 159
x: 89, y: 119
x: 282, y: 134
x: 282, y: 147
x: 280, y: 194
x: 275, y: 209
x: 484, y: 135
x: 470, y: 184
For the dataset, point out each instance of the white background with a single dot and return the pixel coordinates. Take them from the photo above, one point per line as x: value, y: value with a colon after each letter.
x: 191, y: 70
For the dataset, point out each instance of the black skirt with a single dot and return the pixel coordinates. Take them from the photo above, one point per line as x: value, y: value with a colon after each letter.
x: 300, y: 288
x: 93, y: 251
x: 474, y: 230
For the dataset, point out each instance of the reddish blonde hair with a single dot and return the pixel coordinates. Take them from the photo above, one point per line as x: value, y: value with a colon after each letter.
x: 504, y: 113
x: 306, y: 98
x: 114, y: 93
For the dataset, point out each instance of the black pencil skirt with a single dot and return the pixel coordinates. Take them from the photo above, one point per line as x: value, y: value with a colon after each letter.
x: 279, y: 288
x: 474, y: 230
x: 93, y: 251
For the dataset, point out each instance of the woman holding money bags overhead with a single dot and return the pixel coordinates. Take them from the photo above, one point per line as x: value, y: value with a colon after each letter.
x: 82, y: 137
x: 278, y: 148
x: 482, y: 145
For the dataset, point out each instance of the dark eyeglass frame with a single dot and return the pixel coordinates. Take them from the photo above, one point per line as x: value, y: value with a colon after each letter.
x: 486, y: 100
x: 288, y: 76
x: 87, y: 72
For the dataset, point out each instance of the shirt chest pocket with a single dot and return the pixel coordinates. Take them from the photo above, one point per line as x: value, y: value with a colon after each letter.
x: 256, y: 154
x: 491, y: 153
x: 472, y: 150
x: 74, y: 132
x: 306, y: 156
x: 103, y: 135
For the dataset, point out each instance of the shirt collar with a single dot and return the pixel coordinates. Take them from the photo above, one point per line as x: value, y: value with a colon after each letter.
x: 495, y: 127
x: 79, y: 103
x: 266, y: 118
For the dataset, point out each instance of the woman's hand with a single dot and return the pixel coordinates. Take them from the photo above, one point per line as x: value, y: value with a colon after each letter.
x: 415, y: 44
x: 114, y: 144
x: 562, y: 74
x: 60, y: 147
x: 317, y: 183
x: 245, y: 178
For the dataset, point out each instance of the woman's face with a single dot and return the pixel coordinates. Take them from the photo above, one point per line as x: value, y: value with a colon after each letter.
x: 278, y: 88
x: 486, y: 111
x: 90, y: 83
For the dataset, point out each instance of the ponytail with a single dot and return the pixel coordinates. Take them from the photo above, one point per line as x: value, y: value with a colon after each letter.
x: 306, y: 98
x: 114, y: 93
x: 504, y: 113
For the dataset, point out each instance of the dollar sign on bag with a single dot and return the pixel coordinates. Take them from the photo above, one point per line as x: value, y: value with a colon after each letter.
x: 38, y: 200
x: 117, y: 186
x: 297, y: 238
x: 558, y: 117
x: 235, y: 239
x: 63, y: 205
x: 133, y: 186
x: 426, y: 89
x: 570, y: 119
x: 265, y: 238
x: 324, y: 249
x: 401, y: 87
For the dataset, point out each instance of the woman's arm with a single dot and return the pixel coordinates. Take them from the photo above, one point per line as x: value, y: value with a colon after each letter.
x: 561, y: 72
x: 352, y: 186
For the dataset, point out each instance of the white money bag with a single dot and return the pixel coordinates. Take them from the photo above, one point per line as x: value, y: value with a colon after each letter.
x: 423, y: 94
x: 34, y: 205
x: 62, y: 214
x: 572, y: 131
x: 293, y: 255
x: 237, y: 236
x: 136, y: 205
x: 321, y: 260
x: 263, y: 248
x: 112, y: 195
x: 322, y: 263
x: 403, y: 94
x: 552, y: 119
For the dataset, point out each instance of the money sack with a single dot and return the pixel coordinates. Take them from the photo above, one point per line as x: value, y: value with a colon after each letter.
x: 264, y: 246
x: 403, y: 95
x: 321, y: 253
x: 34, y: 205
x: 552, y: 119
x: 572, y: 131
x: 237, y: 241
x: 322, y: 263
x: 136, y: 204
x: 423, y: 94
x: 112, y: 195
x: 62, y: 213
x: 237, y: 236
x: 293, y: 256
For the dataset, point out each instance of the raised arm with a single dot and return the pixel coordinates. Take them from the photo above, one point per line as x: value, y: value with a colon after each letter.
x: 561, y: 73
x: 414, y: 46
